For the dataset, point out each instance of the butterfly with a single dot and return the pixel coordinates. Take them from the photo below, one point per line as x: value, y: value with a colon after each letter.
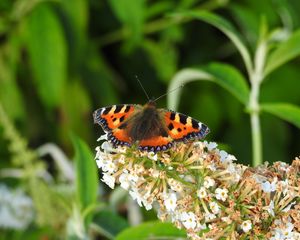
x: 150, y: 128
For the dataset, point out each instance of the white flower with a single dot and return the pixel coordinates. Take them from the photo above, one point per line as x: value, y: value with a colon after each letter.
x: 270, y: 208
x: 147, y: 205
x: 284, y: 185
x: 288, y: 230
x: 223, y: 155
x: 141, y: 199
x: 100, y: 162
x: 124, y: 180
x: 109, y: 180
x: 188, y: 220
x: 152, y: 156
x: 209, y: 217
x: 210, y: 146
x: 109, y: 167
x: 175, y: 185
x: 212, y: 167
x: 201, y: 193
x: 268, y: 187
x: 134, y: 193
x: 208, y: 182
x: 246, y: 226
x: 108, y: 147
x: 226, y: 220
x: 221, y: 194
x: 16, y: 209
x: 170, y: 201
x: 214, y: 207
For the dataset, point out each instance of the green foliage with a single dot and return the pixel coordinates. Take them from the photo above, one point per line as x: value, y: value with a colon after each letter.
x: 151, y: 230
x: 287, y: 112
x: 285, y: 52
x: 86, y: 175
x: 47, y: 48
x: 109, y: 223
x: 61, y: 59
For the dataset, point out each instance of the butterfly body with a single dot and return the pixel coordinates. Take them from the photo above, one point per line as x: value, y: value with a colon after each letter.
x: 150, y: 128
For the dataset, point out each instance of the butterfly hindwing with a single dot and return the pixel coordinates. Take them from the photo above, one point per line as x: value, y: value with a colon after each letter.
x: 181, y: 127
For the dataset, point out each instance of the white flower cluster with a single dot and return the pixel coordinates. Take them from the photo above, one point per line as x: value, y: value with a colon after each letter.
x: 16, y: 209
x: 197, y: 187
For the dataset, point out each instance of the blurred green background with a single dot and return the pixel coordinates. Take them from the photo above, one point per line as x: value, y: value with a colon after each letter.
x: 62, y: 59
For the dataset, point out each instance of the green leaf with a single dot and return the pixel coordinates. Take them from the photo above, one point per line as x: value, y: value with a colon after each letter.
x: 285, y: 52
x: 285, y: 111
x: 109, y: 223
x: 48, y: 54
x: 131, y: 15
x: 75, y: 16
x: 10, y: 94
x: 76, y: 111
x: 151, y: 230
x: 86, y: 174
x: 163, y: 57
x: 224, y: 75
x: 231, y: 79
x: 226, y: 27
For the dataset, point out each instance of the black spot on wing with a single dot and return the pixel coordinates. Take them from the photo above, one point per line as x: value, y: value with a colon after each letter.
x: 172, y: 116
x: 182, y: 118
x: 195, y: 124
x: 179, y: 129
x: 122, y: 118
x: 106, y: 111
x: 118, y: 108
x: 171, y: 126
x: 127, y: 109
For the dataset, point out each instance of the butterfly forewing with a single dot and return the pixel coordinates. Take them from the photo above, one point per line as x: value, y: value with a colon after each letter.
x: 115, y: 121
x: 182, y: 127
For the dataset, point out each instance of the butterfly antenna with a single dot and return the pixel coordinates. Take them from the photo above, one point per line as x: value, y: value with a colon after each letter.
x: 142, y: 87
x: 181, y: 86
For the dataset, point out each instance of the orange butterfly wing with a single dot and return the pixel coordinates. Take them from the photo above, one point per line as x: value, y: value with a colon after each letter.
x: 113, y: 120
x: 118, y: 120
x: 181, y: 127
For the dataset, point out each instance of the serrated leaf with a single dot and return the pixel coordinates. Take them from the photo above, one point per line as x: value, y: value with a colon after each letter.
x: 285, y: 52
x: 86, y: 174
x: 224, y: 75
x: 226, y: 27
x: 48, y: 54
x: 151, y: 230
x: 109, y: 223
x: 285, y: 111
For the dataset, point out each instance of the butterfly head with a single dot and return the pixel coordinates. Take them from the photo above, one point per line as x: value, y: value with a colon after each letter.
x: 151, y: 103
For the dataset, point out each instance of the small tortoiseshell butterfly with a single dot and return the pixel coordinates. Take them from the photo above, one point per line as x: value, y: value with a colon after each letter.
x: 150, y: 128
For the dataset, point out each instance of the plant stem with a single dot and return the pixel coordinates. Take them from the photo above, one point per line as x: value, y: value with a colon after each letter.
x: 255, y: 126
x: 256, y: 77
